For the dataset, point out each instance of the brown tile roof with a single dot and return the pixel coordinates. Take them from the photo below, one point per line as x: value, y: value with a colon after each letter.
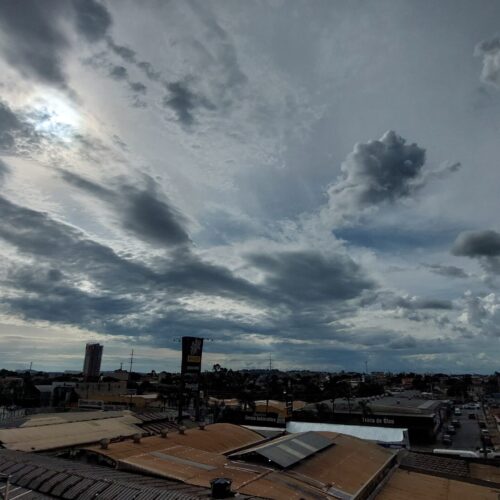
x: 405, y: 485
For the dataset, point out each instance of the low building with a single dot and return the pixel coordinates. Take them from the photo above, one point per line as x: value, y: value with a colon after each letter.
x: 422, y: 417
x: 61, y: 431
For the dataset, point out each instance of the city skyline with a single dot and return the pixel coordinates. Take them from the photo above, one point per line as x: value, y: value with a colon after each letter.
x: 315, y: 181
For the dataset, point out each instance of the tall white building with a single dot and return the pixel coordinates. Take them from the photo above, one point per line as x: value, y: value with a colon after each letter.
x: 92, y: 363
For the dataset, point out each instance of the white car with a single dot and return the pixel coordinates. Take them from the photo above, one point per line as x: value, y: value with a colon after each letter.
x: 489, y: 453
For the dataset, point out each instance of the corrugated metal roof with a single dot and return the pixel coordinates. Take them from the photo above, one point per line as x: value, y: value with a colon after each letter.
x: 290, y: 449
x: 405, y: 484
x: 16, y: 491
x: 74, y: 480
x: 62, y: 435
x: 216, y: 438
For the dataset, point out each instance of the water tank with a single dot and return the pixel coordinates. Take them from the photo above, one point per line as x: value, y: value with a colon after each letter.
x: 221, y: 487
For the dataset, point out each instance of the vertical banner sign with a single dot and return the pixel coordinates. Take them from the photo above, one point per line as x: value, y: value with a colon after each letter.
x: 192, y: 348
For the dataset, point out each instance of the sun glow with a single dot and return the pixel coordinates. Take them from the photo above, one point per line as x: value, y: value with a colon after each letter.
x: 54, y: 115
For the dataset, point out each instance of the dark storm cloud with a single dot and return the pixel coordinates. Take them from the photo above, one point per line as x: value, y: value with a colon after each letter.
x: 57, y: 246
x: 477, y: 244
x: 482, y: 245
x: 92, y: 19
x: 391, y: 301
x: 142, y: 211
x: 35, y: 42
x: 489, y: 50
x: 46, y: 295
x: 310, y: 276
x: 448, y: 271
x: 184, y: 102
x: 381, y: 172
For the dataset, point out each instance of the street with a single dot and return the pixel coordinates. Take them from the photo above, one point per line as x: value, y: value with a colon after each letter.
x: 467, y: 436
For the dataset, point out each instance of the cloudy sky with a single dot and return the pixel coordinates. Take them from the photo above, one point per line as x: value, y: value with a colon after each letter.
x: 316, y: 181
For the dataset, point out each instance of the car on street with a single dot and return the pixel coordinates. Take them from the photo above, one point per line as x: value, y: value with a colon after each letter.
x: 450, y: 429
x: 447, y: 439
x: 490, y: 453
x: 472, y: 416
x: 456, y: 423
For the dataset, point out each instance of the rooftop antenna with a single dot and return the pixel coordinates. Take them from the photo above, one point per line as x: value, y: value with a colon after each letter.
x: 31, y: 365
x: 121, y: 366
x: 366, y: 366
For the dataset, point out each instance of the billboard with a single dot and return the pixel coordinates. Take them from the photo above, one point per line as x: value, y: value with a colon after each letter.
x: 192, y: 348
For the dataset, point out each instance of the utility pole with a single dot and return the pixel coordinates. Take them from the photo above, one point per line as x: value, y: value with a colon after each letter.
x: 268, y: 377
x: 130, y: 375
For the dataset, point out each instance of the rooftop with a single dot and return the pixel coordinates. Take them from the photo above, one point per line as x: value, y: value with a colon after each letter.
x: 73, y: 480
x: 404, y: 484
x: 48, y: 433
x: 307, y: 465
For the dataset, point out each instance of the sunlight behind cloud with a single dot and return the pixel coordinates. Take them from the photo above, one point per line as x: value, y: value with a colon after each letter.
x: 56, y: 116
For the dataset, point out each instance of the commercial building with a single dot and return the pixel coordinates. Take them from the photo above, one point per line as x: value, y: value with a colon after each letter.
x: 92, y: 363
x: 422, y: 417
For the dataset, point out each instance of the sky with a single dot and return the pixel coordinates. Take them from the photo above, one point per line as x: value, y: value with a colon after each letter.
x: 312, y: 181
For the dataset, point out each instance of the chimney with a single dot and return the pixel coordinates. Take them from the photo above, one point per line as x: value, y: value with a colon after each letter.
x: 164, y: 433
x: 104, y: 442
x: 182, y: 429
x: 137, y: 438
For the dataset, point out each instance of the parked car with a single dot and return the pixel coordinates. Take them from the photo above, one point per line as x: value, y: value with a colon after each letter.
x: 490, y: 453
x: 450, y: 429
x: 482, y: 424
x: 456, y: 423
x: 472, y: 416
x: 457, y: 411
x: 447, y: 439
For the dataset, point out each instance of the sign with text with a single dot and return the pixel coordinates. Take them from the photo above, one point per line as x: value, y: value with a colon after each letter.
x: 192, y: 348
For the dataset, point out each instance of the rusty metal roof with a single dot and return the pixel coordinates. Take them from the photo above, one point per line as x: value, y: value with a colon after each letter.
x: 67, y: 434
x: 74, y: 480
x: 325, y: 464
x: 403, y: 485
x: 216, y: 438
